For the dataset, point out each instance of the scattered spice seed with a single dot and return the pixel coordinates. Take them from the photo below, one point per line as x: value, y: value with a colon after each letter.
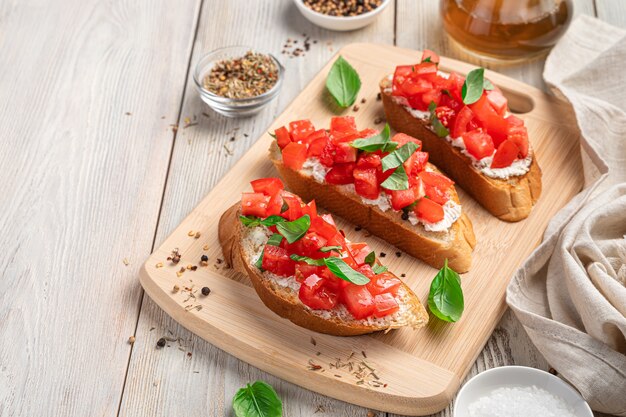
x: 378, y: 120
x: 189, y: 354
x: 383, y: 254
x: 219, y: 261
x: 189, y: 266
x: 363, y: 100
x: 161, y: 342
x: 131, y: 340
x: 405, y: 215
x: 553, y: 371
x: 194, y: 267
x: 248, y: 76
x: 379, y: 97
x: 159, y: 265
x: 175, y: 289
x: 125, y: 261
x: 205, y: 247
x: 358, y: 228
x: 355, y: 108
x: 204, y: 258
x: 128, y: 113
x: 363, y: 352
x: 174, y: 257
x: 206, y: 291
x: 371, y: 414
x: 403, y: 275
x: 313, y: 342
x: 398, y: 254
x: 191, y: 233
x: 197, y: 235
x: 229, y: 151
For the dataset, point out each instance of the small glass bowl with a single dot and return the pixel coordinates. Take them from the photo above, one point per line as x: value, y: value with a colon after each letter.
x: 234, y: 107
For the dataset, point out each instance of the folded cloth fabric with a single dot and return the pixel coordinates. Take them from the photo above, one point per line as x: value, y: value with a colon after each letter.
x: 570, y: 295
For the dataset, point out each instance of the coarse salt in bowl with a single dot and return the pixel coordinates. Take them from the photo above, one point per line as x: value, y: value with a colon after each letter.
x: 512, y: 391
x: 341, y: 23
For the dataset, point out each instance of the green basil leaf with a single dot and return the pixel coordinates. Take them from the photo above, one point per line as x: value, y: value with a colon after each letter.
x: 370, y: 258
x: 427, y: 60
x: 343, y: 83
x: 377, y: 142
x: 284, y: 207
x: 296, y: 229
x: 250, y: 221
x: 438, y: 127
x: 379, y: 269
x: 327, y: 249
x: 272, y: 134
x: 257, y: 400
x: 473, y: 86
x: 342, y: 270
x: 397, y: 157
x: 272, y: 220
x: 397, y: 181
x: 274, y: 240
x: 310, y: 261
x: 445, y: 299
x: 487, y: 85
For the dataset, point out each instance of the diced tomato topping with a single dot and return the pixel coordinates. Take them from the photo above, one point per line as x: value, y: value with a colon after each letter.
x: 294, y: 155
x: 344, y: 153
x: 519, y: 136
x: 497, y: 101
x: 277, y: 261
x: 310, y: 244
x: 300, y: 130
x: 435, y: 179
x: 384, y: 305
x: 304, y: 270
x: 402, y: 198
x: 478, y: 143
x: 430, y: 56
x: 267, y: 186
x: 341, y: 174
x: 462, y: 122
x: 359, y: 251
x: 513, y: 120
x: 505, y: 155
x: 310, y: 209
x: 383, y: 283
x: 366, y: 183
x: 294, y: 206
x: 343, y: 124
x: 313, y: 294
x: 275, y: 205
x: 369, y: 160
x: 322, y: 227
x: 282, y: 136
x: 402, y: 139
x: 254, y: 204
x: 428, y: 210
x: 327, y: 155
x: 445, y: 115
x: 366, y: 133
x: 359, y: 301
x: 317, y: 142
x: 420, y: 161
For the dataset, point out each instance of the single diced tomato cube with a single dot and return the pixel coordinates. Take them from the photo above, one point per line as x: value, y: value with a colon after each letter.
x: 359, y: 301
x: 369, y: 160
x: 327, y: 155
x: 359, y: 251
x: 445, y: 115
x: 254, y: 204
x: 275, y: 205
x: 277, y: 261
x: 337, y: 240
x: 402, y: 139
x: 400, y: 75
x: 497, y: 101
x: 310, y: 209
x: 478, y: 143
x: 436, y: 194
x: 366, y: 133
x: 384, y: 305
x: 425, y: 68
x: 304, y: 270
x: 505, y: 155
x: 366, y: 270
x: 341, y: 174
x: 435, y: 179
x: 432, y: 96
x: 366, y: 183
x: 385, y: 282
x: 513, y: 120
x: 402, y: 198
x: 420, y: 161
x: 430, y: 56
x: 317, y: 142
x: 294, y: 155
x: 282, y: 136
x: 344, y: 153
x: 267, y: 186
x: 343, y: 124
x: 294, y: 206
x: 429, y: 211
x: 519, y: 136
x: 309, y: 244
x: 462, y: 121
x: 314, y: 294
x: 300, y: 130
x: 415, y: 86
x: 322, y: 227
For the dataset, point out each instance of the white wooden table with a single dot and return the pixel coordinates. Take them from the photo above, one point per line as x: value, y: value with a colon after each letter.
x: 93, y: 176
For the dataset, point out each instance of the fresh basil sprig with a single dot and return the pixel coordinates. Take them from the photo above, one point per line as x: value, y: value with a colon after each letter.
x: 257, y: 400
x: 370, y: 259
x: 379, y: 269
x: 274, y: 240
x: 397, y: 181
x: 326, y: 249
x: 337, y: 266
x: 377, y: 142
x: 438, y: 127
x: 399, y: 156
x: 474, y: 84
x: 296, y: 229
x: 343, y: 83
x: 445, y: 299
x: 251, y: 221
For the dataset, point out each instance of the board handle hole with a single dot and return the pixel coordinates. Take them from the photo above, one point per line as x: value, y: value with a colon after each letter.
x: 519, y: 103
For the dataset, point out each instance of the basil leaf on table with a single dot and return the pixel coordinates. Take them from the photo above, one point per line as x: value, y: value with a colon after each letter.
x: 473, y: 86
x: 326, y: 249
x: 397, y: 181
x: 296, y: 229
x: 399, y: 156
x: 274, y: 240
x: 438, y: 127
x: 343, y: 83
x: 445, y: 299
x: 370, y: 258
x: 377, y: 142
x: 379, y: 269
x: 257, y: 400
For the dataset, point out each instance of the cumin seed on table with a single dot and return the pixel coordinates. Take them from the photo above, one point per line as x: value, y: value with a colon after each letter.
x: 248, y: 76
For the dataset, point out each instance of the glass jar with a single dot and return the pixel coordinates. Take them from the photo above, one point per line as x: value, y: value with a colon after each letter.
x: 506, y: 29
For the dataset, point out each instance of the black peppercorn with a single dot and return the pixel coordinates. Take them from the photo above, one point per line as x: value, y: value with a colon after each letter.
x: 398, y: 254
x: 204, y: 258
x: 383, y: 254
x: 206, y: 291
x: 405, y: 215
x: 161, y: 342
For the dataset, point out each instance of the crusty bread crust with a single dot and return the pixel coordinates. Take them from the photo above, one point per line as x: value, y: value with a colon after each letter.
x: 508, y: 199
x: 285, y: 302
x: 434, y: 248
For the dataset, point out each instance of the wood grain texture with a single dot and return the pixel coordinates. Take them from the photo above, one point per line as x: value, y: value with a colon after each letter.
x: 612, y: 11
x: 502, y: 246
x: 81, y: 184
x: 199, y: 160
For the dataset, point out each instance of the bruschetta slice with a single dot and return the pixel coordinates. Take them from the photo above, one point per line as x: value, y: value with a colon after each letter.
x: 465, y: 125
x: 384, y: 184
x: 305, y: 269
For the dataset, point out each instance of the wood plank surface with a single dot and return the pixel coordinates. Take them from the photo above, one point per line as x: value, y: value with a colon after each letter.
x: 83, y: 157
x: 158, y: 379
x: 612, y: 11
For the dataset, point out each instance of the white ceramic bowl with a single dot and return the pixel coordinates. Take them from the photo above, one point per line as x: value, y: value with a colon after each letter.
x: 341, y: 23
x: 518, y: 376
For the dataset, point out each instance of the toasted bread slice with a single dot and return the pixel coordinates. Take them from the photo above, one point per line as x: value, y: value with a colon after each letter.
x: 509, y: 199
x: 455, y: 244
x: 241, y: 246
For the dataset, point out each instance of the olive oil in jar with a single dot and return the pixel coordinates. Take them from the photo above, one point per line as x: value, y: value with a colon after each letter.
x: 506, y: 29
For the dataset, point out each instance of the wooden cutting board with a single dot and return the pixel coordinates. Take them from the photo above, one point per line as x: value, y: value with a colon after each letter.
x: 404, y: 371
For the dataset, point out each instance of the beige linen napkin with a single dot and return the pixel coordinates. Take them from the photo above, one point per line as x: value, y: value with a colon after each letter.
x: 570, y: 295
